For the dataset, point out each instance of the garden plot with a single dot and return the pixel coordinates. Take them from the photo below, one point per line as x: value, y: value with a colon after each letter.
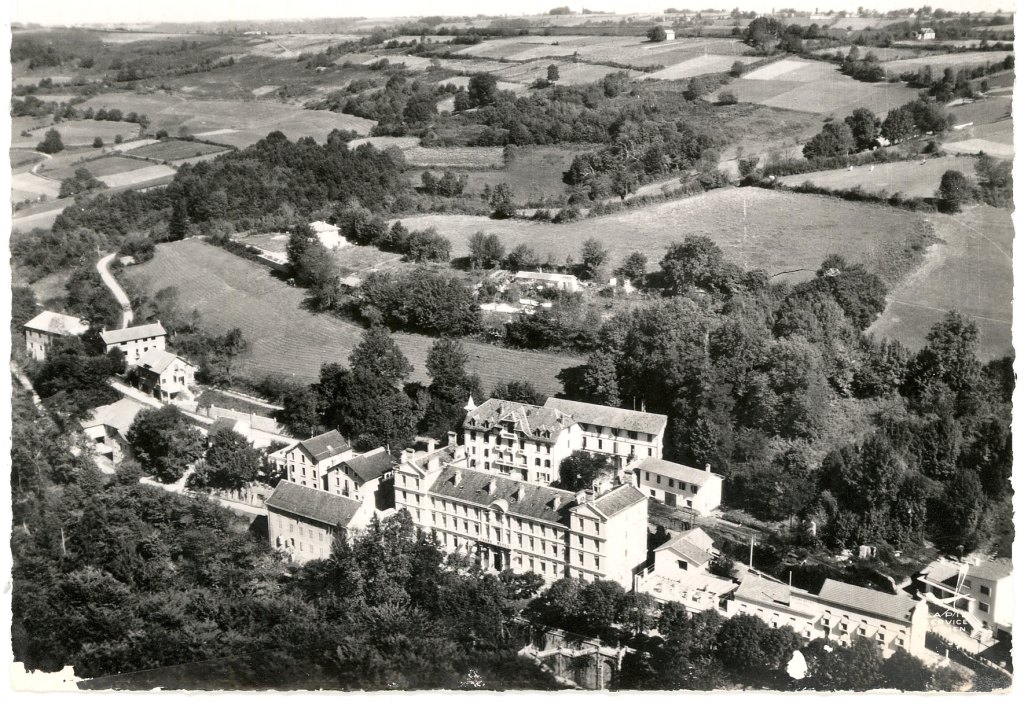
x: 384, y: 142
x: 153, y: 173
x: 465, y: 157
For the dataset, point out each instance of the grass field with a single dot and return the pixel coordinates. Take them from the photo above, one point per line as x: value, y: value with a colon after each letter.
x: 169, y: 150
x: 31, y: 186
x: 756, y: 228
x: 939, y: 62
x: 230, y: 291
x: 911, y: 177
x: 535, y: 173
x: 465, y: 157
x: 970, y: 270
x: 816, y: 87
x: 247, y: 121
x: 703, y: 64
x: 99, y: 168
x: 79, y: 132
x: 155, y: 173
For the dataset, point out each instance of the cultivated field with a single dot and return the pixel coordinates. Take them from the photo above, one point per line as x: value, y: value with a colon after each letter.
x: 816, y: 87
x: 465, y: 157
x: 939, y: 62
x: 230, y: 291
x: 100, y: 168
x: 788, y: 235
x: 28, y: 185
x: 170, y: 150
x: 384, y: 142
x: 969, y: 269
x: 235, y: 123
x: 703, y: 64
x: 912, y: 178
x: 157, y: 174
x: 463, y: 81
x: 79, y: 132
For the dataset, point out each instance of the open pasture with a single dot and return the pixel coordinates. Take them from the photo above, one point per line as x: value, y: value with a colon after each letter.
x: 384, y: 142
x: 788, y: 235
x: 230, y: 291
x: 912, y: 178
x: 28, y: 185
x: 939, y: 62
x: 100, y: 168
x: 989, y: 110
x: 883, y: 53
x: 170, y: 150
x: 463, y: 81
x: 79, y: 132
x: 237, y: 123
x: 970, y: 269
x: 153, y: 174
x: 702, y: 64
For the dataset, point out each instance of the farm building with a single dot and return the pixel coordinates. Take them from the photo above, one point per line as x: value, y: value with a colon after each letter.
x: 330, y: 236
x: 670, y: 34
x: 925, y: 34
x: 554, y: 280
x: 679, y: 485
x: 44, y: 328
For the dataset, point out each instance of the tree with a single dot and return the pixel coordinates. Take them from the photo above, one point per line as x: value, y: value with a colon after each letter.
x: 865, y: 127
x: 230, y: 464
x: 450, y: 387
x: 727, y: 98
x: 580, y: 470
x: 599, y: 380
x: 522, y: 257
x: 834, y: 140
x: 592, y: 257
x: 657, y: 34
x: 52, y: 143
x: 483, y: 90
x: 959, y: 522
x: 177, y: 227
x: 634, y: 268
x: 737, y: 68
x: 898, y: 125
x: 502, y: 201
x: 948, y: 357
x: 954, y: 190
x: 164, y: 442
x: 518, y: 391
x: 428, y: 246
x: 553, y: 72
x: 485, y: 250
x: 902, y: 671
x: 697, y: 262
x: 97, y: 142
x: 379, y: 357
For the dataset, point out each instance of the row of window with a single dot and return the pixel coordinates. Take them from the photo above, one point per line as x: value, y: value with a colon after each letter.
x: 518, y: 558
x: 694, y: 488
x: 537, y: 446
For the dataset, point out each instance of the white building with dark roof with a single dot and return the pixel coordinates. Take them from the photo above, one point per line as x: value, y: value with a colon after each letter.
x: 679, y: 485
x: 108, y: 426
x: 505, y: 523
x: 979, y: 590
x: 680, y: 573
x: 524, y: 442
x: 307, y: 463
x: 164, y: 375
x: 46, y: 327
x: 135, y: 341
x: 625, y: 435
x: 303, y: 522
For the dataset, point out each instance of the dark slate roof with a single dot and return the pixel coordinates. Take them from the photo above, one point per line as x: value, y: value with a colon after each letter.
x: 326, y: 445
x: 992, y: 570
x: 369, y: 466
x: 143, y: 331
x: 534, y: 421
x: 533, y: 501
x: 867, y: 601
x: 320, y: 506
x: 616, y: 418
x: 759, y: 589
x: 694, y: 544
x: 672, y: 470
x: 619, y: 499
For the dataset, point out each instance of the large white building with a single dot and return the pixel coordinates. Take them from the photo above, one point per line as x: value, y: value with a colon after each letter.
x: 624, y: 435
x: 307, y: 463
x: 135, y: 341
x: 524, y: 442
x: 507, y: 523
x: 680, y: 574
x: 678, y: 485
x: 979, y: 589
x: 46, y: 327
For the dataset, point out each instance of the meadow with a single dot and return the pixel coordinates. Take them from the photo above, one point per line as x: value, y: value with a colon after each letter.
x: 99, y: 168
x: 464, y: 157
x: 969, y: 269
x: 939, y: 62
x: 912, y: 178
x: 79, y: 132
x: 235, y: 122
x: 788, y: 235
x: 534, y: 173
x: 286, y: 338
x: 170, y: 150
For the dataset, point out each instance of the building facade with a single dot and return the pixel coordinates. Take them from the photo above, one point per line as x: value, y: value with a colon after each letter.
x: 523, y: 442
x: 108, y: 427
x: 552, y: 280
x: 135, y: 341
x: 979, y: 588
x: 46, y: 327
x: 164, y: 375
x: 678, y: 485
x: 306, y: 463
x: 303, y: 522
x: 680, y: 574
x: 624, y: 435
x: 505, y: 523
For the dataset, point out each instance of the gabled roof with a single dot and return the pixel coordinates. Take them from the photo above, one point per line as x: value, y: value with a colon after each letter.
x: 57, y: 324
x: 158, y: 361
x: 765, y: 591
x: 533, y: 421
x: 132, y: 333
x: 605, y: 416
x: 694, y: 545
x: 619, y: 499
x: 225, y: 423
x: 326, y: 445
x: 369, y: 466
x: 320, y: 506
x: 992, y: 570
x: 869, y: 601
x: 675, y: 471
x: 119, y: 415
x: 521, y: 498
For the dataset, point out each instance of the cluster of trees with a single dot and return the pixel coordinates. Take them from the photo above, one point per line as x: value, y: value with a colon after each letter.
x: 400, y: 106
x: 448, y: 184
x: 954, y: 83
x: 861, y: 130
x: 867, y: 68
x: 73, y: 378
x: 81, y: 181
x: 362, y: 226
x: 420, y: 300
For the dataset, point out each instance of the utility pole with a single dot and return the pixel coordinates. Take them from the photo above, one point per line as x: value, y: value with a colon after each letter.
x: 751, y: 563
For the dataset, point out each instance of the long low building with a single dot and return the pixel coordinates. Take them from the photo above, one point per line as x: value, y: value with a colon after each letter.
x: 678, y: 485
x: 514, y: 524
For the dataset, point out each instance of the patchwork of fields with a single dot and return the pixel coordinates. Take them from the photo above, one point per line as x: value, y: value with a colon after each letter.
x: 230, y: 291
x: 786, y: 234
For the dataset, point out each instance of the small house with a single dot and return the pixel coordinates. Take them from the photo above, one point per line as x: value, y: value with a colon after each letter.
x: 46, y: 327
x: 108, y: 426
x: 329, y: 235
x: 678, y: 485
x: 670, y: 34
x: 925, y: 34
x: 164, y: 375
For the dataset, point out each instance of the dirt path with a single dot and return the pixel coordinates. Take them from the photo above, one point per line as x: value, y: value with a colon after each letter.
x: 102, y: 266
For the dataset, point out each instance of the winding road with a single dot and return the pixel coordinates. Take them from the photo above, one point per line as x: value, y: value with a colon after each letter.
x: 102, y: 266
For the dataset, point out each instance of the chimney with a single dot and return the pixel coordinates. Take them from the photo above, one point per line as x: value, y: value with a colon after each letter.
x: 517, y: 495
x: 453, y: 438
x: 581, y: 497
x: 431, y: 443
x: 406, y: 455
x: 491, y: 487
x: 457, y: 479
x: 707, y: 467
